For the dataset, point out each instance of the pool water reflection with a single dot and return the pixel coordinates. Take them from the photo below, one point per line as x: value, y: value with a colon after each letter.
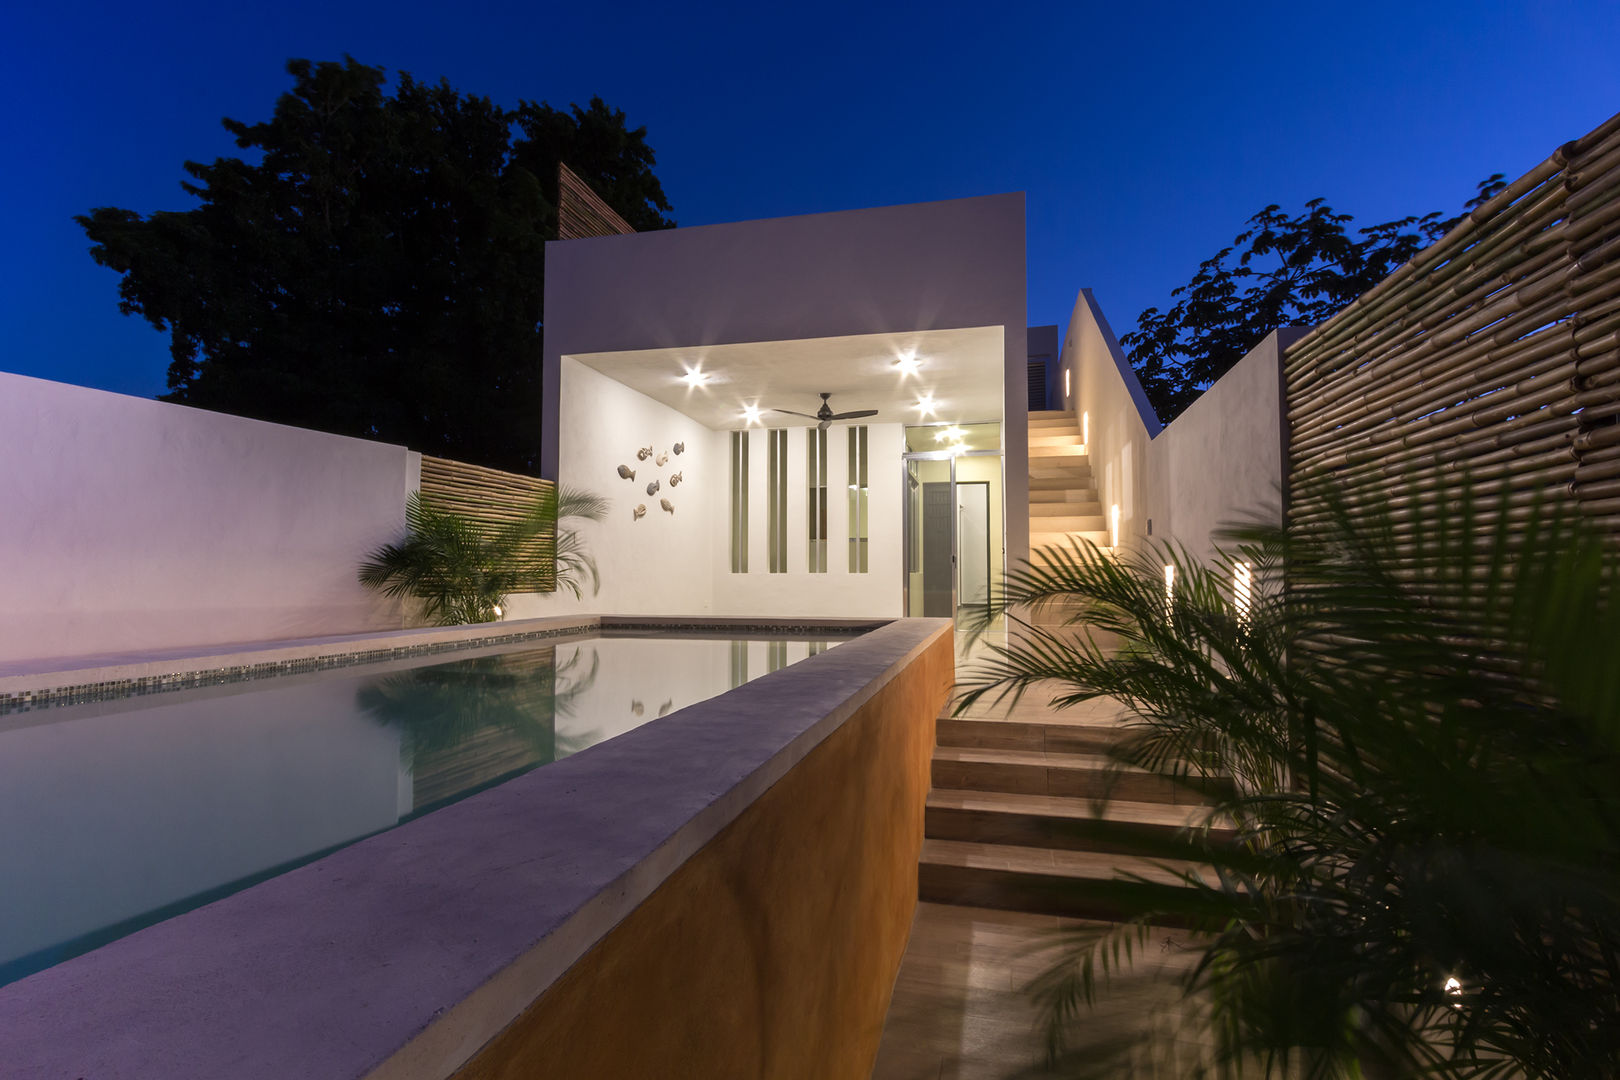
x: 122, y: 813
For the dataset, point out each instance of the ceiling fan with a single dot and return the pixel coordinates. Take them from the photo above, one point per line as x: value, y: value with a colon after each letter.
x: 825, y: 416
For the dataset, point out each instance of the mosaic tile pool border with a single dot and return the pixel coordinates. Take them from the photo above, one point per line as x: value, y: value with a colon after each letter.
x: 84, y: 693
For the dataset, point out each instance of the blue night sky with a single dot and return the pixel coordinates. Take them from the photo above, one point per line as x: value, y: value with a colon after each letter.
x: 1144, y: 134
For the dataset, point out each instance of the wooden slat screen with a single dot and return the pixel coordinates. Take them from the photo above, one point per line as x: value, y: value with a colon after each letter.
x: 1495, y: 352
x: 494, y: 498
x: 581, y: 212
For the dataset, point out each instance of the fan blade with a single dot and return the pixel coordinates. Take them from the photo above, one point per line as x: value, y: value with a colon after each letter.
x: 853, y: 415
x: 824, y: 425
x: 790, y: 412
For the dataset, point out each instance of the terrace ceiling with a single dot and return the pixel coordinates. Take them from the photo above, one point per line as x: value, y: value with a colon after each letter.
x: 961, y: 369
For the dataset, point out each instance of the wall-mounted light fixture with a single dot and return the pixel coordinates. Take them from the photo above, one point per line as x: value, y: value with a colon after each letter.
x: 1085, y: 431
x: 1066, y: 373
x: 1113, y: 526
x: 1242, y: 591
x: 1169, y: 587
x: 751, y: 414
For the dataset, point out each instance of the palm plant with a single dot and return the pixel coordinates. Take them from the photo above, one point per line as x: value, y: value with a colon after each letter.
x: 1421, y: 754
x: 461, y: 570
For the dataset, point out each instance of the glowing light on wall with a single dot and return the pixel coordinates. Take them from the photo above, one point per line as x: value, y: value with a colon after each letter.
x: 1085, y: 428
x: 1242, y: 591
x: 1113, y: 525
x: 1169, y: 589
x: 751, y: 414
x: 1066, y: 391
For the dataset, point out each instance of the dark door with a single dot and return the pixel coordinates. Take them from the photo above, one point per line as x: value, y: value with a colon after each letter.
x: 938, y: 572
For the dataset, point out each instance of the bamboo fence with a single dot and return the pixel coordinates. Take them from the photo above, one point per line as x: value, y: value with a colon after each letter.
x: 1491, y: 359
x: 495, y: 500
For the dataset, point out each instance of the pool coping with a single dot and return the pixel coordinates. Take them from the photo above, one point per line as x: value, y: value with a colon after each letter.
x: 403, y: 954
x: 38, y: 684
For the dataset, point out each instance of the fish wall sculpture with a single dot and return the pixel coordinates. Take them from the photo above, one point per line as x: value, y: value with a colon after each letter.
x: 644, y: 453
x: 638, y: 512
x: 626, y: 472
x: 665, y: 503
x: 652, y: 488
x: 675, y: 481
x: 663, y: 459
x: 680, y: 448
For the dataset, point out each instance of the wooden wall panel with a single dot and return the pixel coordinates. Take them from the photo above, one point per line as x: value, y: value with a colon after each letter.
x: 495, y: 499
x: 581, y: 212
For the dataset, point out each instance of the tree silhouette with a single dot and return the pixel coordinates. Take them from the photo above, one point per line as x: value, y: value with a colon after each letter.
x: 1282, y: 270
x: 374, y: 265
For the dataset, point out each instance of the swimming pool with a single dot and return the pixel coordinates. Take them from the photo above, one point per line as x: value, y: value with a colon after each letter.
x: 122, y: 813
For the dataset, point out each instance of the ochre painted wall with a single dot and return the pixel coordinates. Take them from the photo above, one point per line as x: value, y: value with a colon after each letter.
x: 771, y: 953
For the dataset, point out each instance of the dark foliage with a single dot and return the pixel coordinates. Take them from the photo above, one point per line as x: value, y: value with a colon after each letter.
x: 1282, y: 270
x: 374, y: 267
x: 1420, y: 735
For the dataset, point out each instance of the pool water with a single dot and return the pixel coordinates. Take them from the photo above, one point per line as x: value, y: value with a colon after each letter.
x: 116, y: 815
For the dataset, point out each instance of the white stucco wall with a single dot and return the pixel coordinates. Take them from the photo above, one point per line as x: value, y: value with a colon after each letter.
x: 659, y: 565
x: 128, y: 524
x: 876, y: 593
x: 1223, y: 456
x: 926, y: 266
x: 1218, y: 463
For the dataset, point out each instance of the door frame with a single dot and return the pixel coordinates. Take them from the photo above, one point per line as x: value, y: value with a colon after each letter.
x: 908, y: 526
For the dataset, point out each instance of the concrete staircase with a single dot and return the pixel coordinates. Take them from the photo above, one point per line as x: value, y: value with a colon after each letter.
x: 1062, y: 493
x: 1011, y: 821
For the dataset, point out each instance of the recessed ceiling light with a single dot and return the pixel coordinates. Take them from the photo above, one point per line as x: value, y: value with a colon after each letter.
x: 925, y: 404
x: 751, y: 414
x: 695, y: 377
x: 907, y: 363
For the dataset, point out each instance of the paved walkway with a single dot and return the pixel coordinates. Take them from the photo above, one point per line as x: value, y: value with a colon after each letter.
x: 960, y: 1010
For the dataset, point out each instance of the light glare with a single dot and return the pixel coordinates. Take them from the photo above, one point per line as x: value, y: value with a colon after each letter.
x: 907, y: 363
x: 695, y: 377
x: 751, y: 414
x: 925, y: 404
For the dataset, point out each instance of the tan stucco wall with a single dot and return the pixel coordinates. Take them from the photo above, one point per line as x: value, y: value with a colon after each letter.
x: 772, y: 952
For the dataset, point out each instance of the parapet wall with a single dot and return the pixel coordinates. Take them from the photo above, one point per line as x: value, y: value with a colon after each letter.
x: 128, y: 524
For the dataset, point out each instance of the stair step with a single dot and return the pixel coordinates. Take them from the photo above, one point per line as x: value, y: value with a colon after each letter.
x: 1038, y: 540
x: 1045, y: 772
x: 1056, y: 438
x: 1065, y: 494
x: 1073, y: 524
x: 1064, y: 508
x: 1074, y: 452
x: 1069, y: 824
x: 1054, y: 732
x: 1043, y: 880
x: 1051, y: 416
